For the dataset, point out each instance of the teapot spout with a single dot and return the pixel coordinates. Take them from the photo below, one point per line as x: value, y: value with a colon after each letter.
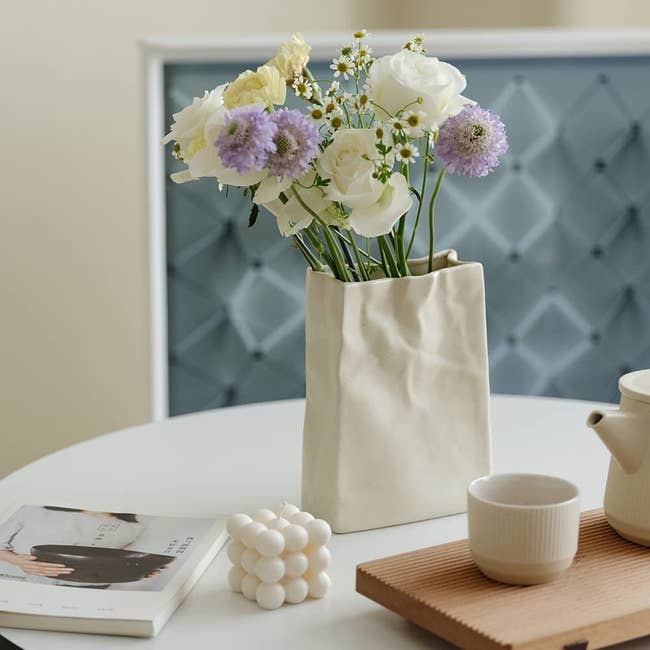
x: 623, y: 434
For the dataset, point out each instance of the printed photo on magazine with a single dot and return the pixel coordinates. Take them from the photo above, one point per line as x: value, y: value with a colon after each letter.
x: 84, y: 549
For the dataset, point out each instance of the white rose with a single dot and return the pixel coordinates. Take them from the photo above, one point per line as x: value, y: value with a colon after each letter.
x: 292, y: 56
x: 345, y: 162
x: 378, y: 218
x: 195, y: 129
x: 264, y: 86
x: 398, y: 80
x: 291, y: 216
x: 189, y: 126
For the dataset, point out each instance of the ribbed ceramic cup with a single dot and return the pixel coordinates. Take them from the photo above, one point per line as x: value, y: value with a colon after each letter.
x: 523, y: 528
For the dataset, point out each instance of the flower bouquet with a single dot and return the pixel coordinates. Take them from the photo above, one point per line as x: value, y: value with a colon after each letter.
x: 396, y: 419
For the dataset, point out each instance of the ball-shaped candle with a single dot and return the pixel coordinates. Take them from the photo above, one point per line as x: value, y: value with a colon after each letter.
x: 286, y: 510
x: 250, y: 532
x: 270, y: 596
x: 319, y: 559
x: 235, y: 577
x: 249, y: 560
x: 319, y: 585
x: 264, y: 516
x: 249, y: 585
x: 296, y: 590
x: 235, y: 525
x: 270, y: 543
x: 296, y: 564
x: 301, y: 518
x: 278, y: 524
x: 270, y: 569
x: 234, y: 551
x: 319, y: 532
x: 295, y: 537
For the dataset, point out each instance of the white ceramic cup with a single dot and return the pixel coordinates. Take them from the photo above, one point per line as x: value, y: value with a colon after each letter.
x: 523, y: 528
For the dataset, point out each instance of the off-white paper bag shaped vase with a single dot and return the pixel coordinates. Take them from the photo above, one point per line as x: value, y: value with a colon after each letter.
x: 397, y: 420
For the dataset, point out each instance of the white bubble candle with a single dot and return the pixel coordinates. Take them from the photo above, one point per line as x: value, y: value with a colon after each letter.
x: 279, y: 556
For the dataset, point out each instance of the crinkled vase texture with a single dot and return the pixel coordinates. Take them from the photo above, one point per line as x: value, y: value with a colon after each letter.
x: 397, y: 412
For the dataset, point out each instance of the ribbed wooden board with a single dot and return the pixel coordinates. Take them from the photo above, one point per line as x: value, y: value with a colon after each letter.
x: 602, y: 599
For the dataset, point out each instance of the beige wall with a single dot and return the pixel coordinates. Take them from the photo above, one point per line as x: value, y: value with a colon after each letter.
x: 74, y: 340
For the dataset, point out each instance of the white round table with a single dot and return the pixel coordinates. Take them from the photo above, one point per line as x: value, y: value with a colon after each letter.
x: 200, y: 465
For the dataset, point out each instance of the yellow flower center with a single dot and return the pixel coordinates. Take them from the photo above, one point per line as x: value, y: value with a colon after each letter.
x: 317, y: 114
x: 413, y: 120
x: 336, y: 122
x: 342, y: 66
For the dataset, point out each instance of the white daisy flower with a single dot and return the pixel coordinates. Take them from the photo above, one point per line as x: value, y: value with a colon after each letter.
x: 336, y: 118
x: 348, y: 50
x: 317, y: 114
x: 416, y: 44
x: 342, y: 66
x: 333, y: 89
x: 397, y: 126
x: 362, y: 53
x: 413, y: 123
x: 361, y: 102
x: 302, y: 87
x: 406, y: 152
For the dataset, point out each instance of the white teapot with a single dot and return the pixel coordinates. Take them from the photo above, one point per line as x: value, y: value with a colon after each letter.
x: 625, y: 432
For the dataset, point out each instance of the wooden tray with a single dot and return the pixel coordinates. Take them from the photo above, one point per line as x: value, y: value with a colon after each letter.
x: 604, y: 598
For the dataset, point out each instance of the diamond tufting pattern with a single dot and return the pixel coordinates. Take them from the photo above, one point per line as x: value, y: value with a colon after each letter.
x: 562, y: 228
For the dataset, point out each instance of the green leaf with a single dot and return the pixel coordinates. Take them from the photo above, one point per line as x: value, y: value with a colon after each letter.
x: 255, y: 210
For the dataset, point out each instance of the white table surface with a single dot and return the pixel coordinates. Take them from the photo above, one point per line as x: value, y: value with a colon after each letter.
x: 204, y: 464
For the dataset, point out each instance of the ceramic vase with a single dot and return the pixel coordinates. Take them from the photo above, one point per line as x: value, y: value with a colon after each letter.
x: 397, y: 420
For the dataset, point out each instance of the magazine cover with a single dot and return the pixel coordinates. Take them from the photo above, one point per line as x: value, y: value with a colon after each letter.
x: 75, y: 563
x: 74, y: 548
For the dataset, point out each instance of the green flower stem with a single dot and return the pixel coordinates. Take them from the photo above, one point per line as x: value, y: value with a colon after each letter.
x: 366, y: 254
x: 318, y: 245
x: 384, y: 263
x: 388, y: 255
x: 338, y: 268
x: 432, y: 202
x: 348, y: 257
x: 308, y: 255
x: 399, y: 238
x: 425, y: 169
x: 357, y: 253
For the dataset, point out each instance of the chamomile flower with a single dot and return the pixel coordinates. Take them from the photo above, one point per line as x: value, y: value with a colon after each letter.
x: 301, y: 86
x: 317, y: 114
x: 413, y: 123
x: 336, y: 118
x: 397, y: 126
x: 342, y: 66
x: 333, y: 89
x: 406, y: 152
x: 331, y: 105
x: 362, y: 33
x: 415, y: 45
x: 362, y: 53
x: 348, y: 50
x: 361, y: 103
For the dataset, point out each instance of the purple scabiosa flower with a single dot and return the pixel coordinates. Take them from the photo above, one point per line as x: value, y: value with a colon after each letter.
x: 296, y: 142
x: 471, y: 142
x: 246, y: 138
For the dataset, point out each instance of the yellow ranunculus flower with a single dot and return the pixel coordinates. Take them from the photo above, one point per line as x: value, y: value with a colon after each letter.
x: 292, y: 56
x: 265, y: 86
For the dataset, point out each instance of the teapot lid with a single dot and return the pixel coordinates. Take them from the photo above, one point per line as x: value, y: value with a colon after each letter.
x: 636, y: 385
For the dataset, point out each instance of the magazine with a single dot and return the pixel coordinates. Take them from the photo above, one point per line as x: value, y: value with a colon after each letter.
x: 77, y: 570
